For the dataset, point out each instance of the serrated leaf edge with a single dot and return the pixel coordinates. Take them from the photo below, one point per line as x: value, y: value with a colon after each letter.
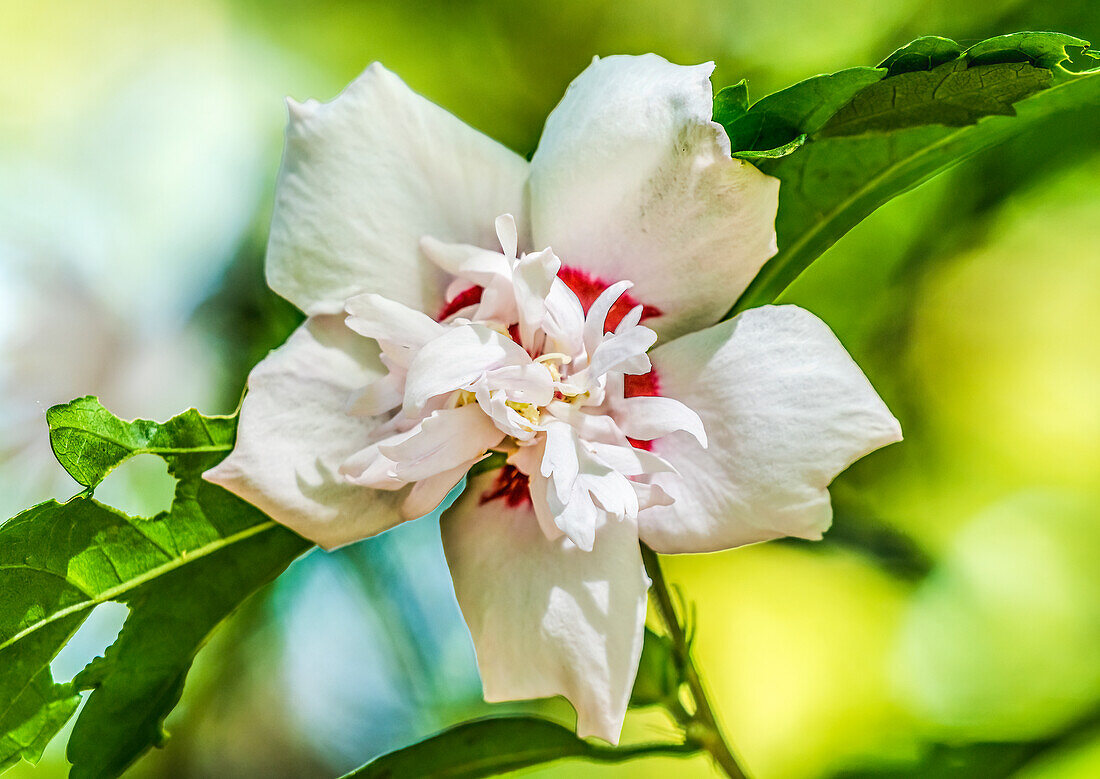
x: 131, y: 452
x: 132, y: 584
x: 807, y: 237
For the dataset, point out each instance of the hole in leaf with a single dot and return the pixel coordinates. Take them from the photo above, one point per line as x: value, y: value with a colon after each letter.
x: 97, y: 633
x: 141, y: 486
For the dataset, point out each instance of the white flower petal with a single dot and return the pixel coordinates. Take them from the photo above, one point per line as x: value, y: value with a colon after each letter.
x: 507, y: 234
x: 364, y: 177
x: 294, y: 433
x: 527, y: 460
x: 506, y: 418
x: 588, y: 426
x: 401, y: 330
x: 631, y: 320
x: 629, y: 460
x: 614, y: 493
x: 443, y: 441
x: 560, y: 459
x: 533, y: 277
x: 624, y: 352
x: 564, y: 322
x: 646, y: 417
x: 650, y: 495
x: 547, y: 618
x: 785, y: 408
x: 426, y: 495
x: 632, y: 180
x: 379, y: 396
x: 456, y: 287
x: 578, y: 516
x: 527, y: 383
x: 538, y: 486
x: 472, y: 263
x: 455, y: 360
x: 368, y: 467
x: 597, y: 314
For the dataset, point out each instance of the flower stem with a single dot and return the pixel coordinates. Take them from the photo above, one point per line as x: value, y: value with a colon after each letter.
x: 703, y: 724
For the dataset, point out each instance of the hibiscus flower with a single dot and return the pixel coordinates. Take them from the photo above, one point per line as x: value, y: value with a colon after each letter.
x: 464, y: 302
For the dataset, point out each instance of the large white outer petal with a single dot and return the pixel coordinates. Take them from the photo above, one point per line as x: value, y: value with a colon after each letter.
x: 547, y: 618
x: 294, y: 433
x: 364, y: 177
x: 785, y: 409
x: 632, y: 180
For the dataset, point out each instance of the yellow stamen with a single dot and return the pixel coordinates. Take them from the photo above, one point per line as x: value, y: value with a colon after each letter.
x: 526, y: 410
x: 561, y: 357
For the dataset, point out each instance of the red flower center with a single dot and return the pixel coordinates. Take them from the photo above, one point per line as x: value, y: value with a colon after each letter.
x: 584, y: 285
x: 511, y: 483
x: 588, y: 287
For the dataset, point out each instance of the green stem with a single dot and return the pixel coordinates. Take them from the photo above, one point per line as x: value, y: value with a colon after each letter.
x: 703, y: 724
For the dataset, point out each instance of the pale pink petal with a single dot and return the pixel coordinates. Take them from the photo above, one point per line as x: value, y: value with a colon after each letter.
x: 294, y: 433
x: 632, y: 180
x: 364, y: 177
x: 547, y: 618
x: 785, y: 409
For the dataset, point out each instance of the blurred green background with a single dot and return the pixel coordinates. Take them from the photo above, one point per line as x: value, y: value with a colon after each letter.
x: 948, y: 626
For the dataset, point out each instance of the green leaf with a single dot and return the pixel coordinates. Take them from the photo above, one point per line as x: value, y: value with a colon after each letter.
x: 778, y: 119
x: 657, y: 682
x: 842, y: 174
x: 89, y: 441
x: 922, y: 54
x: 732, y: 102
x: 492, y: 746
x: 180, y: 573
x: 959, y: 761
x: 494, y: 461
x: 953, y: 94
x: 33, y: 712
x: 770, y: 154
x: 1040, y: 49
